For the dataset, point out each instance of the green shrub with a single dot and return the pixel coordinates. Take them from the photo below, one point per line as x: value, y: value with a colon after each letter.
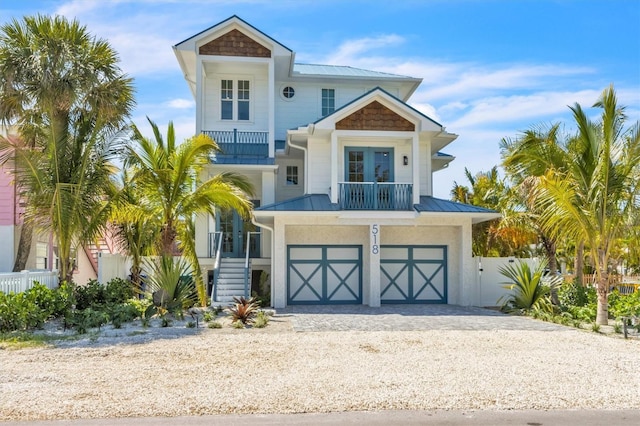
x: 575, y: 294
x: 88, y: 318
x: 621, y: 305
x: 118, y: 290
x: 171, y: 285
x: 214, y: 324
x: 209, y: 316
x: 121, y: 313
x: 89, y: 295
x: 261, y: 321
x: 531, y: 288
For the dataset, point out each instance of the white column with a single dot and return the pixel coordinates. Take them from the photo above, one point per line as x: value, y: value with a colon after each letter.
x: 415, y: 168
x: 202, y: 235
x: 469, y: 290
x: 279, y: 260
x: 374, y: 265
x: 268, y: 195
x: 272, y: 108
x: 334, y: 168
x: 199, y: 95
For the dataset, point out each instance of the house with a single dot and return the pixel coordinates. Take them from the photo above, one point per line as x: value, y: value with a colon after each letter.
x: 343, y: 169
x: 43, y: 250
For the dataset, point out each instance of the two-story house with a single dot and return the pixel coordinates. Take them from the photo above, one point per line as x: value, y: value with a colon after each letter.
x: 343, y: 169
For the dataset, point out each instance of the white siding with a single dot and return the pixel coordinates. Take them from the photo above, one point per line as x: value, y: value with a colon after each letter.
x: 305, y: 106
x: 319, y: 175
x: 425, y: 179
x: 257, y: 74
x: 284, y: 191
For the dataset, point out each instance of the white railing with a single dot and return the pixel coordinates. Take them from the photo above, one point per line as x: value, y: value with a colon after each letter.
x: 17, y: 282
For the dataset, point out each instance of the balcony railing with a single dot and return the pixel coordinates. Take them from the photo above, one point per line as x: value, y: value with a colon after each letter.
x: 236, y: 143
x: 375, y: 196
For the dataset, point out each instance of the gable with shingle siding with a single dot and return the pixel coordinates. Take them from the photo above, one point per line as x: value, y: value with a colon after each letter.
x: 235, y: 43
x: 375, y: 116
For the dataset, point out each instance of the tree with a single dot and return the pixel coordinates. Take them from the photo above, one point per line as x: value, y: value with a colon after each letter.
x: 525, y: 160
x: 491, y: 238
x: 593, y: 198
x: 62, y: 89
x: 168, y: 178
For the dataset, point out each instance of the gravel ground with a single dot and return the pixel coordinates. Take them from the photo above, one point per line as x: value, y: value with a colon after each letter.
x: 182, y: 372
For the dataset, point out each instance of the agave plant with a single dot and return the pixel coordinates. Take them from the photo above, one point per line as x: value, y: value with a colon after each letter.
x: 531, y: 288
x: 170, y: 284
x: 243, y: 310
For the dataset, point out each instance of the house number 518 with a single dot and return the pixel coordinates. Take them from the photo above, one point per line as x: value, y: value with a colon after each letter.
x: 375, y: 249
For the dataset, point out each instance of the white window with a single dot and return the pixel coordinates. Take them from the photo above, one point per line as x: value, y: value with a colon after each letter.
x: 328, y: 101
x: 235, y: 107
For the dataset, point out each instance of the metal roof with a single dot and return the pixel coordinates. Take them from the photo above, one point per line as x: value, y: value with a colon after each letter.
x: 437, y: 205
x: 322, y: 202
x: 309, y: 202
x: 342, y: 71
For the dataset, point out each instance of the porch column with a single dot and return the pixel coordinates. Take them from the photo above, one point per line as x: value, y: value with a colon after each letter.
x: 272, y: 108
x: 374, y: 265
x: 334, y: 169
x: 268, y: 195
x: 279, y: 261
x: 202, y: 236
x: 199, y: 91
x: 415, y: 168
x: 468, y: 288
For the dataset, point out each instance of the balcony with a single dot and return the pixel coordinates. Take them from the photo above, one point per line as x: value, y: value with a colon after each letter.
x: 375, y: 196
x: 241, y: 147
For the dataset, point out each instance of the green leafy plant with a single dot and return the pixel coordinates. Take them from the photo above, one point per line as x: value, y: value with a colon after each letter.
x: 261, y: 320
x: 617, y: 327
x: 237, y: 324
x: 191, y: 324
x: 243, y: 310
x: 531, y: 288
x: 214, y: 324
x: 118, y: 290
x: 209, y: 316
x: 170, y: 285
x: 595, y: 327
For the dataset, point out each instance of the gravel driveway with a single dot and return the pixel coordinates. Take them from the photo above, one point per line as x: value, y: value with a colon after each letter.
x: 181, y: 372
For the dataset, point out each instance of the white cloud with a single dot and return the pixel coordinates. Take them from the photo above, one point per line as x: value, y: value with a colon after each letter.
x: 180, y: 103
x: 353, y: 48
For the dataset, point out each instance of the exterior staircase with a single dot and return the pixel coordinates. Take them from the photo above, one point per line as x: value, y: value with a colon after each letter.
x: 230, y: 280
x: 93, y: 251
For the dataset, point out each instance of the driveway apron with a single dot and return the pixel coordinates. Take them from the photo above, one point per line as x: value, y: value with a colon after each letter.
x: 407, y: 318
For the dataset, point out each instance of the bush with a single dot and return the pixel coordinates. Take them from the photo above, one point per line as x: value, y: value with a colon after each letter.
x: 89, y: 295
x: 118, y: 290
x: 261, y: 321
x: 575, y: 294
x: 243, y: 310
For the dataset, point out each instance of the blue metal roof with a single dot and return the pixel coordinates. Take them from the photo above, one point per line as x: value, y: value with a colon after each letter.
x: 437, y: 205
x: 322, y: 202
x: 246, y: 159
x: 309, y: 203
x: 342, y: 71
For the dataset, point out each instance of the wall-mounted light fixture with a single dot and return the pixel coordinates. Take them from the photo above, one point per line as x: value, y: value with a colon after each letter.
x: 405, y: 160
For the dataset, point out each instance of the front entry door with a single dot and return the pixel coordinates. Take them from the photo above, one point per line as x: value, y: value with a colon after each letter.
x: 234, y: 233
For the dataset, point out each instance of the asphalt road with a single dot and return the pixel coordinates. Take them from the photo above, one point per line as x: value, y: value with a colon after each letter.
x: 379, y: 418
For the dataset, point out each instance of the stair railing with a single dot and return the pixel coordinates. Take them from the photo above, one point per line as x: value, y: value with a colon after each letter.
x: 217, y: 244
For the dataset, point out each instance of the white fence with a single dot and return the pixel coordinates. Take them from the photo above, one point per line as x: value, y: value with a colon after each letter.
x: 17, y: 282
x: 490, y: 281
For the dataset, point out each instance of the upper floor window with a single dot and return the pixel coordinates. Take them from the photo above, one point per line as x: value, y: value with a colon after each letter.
x: 237, y: 106
x: 328, y: 101
x: 292, y: 175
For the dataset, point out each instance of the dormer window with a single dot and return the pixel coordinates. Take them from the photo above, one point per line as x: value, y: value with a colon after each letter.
x: 234, y: 105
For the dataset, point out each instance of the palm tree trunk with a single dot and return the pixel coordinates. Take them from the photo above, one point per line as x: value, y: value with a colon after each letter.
x: 602, y: 314
x: 24, y: 247
x: 579, y: 263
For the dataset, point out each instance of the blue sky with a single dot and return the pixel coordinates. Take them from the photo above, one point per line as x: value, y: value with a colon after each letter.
x: 490, y: 68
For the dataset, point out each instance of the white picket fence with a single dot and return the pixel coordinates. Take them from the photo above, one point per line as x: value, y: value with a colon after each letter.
x: 17, y: 282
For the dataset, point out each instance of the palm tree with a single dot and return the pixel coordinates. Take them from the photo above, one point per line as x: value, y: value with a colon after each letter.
x: 65, y: 94
x: 169, y: 178
x: 525, y: 159
x: 134, y: 227
x: 593, y: 198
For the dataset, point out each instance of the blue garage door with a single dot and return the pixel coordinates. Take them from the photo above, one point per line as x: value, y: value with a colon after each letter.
x: 413, y: 274
x: 323, y: 275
